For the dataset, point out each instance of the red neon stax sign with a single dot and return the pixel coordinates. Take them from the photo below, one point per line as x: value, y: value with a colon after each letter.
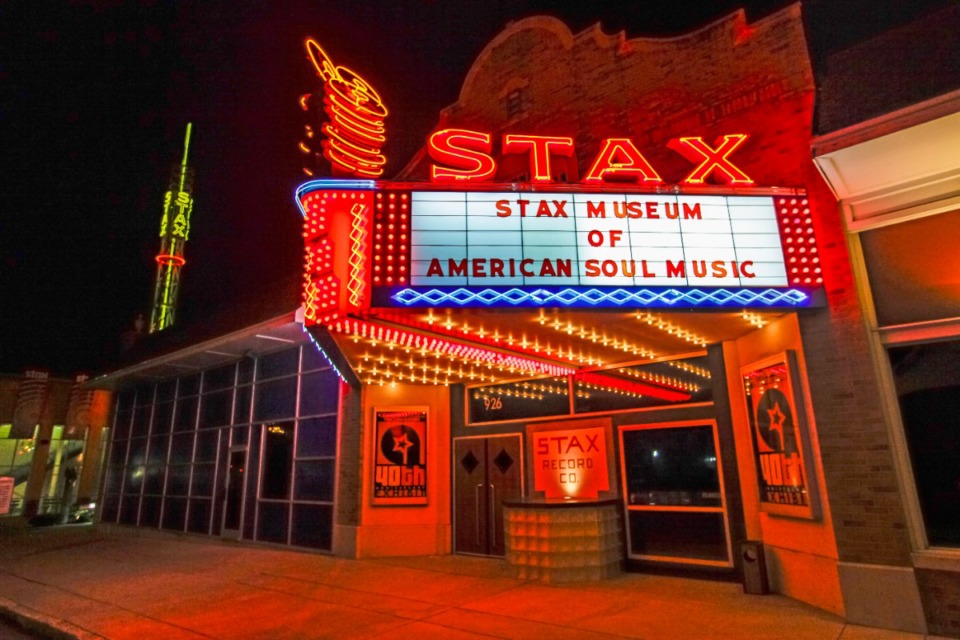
x: 462, y: 155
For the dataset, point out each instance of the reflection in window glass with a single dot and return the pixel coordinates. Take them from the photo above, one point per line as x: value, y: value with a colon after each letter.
x: 646, y: 385
x: 189, y: 385
x: 317, y: 437
x: 154, y: 480
x: 312, y: 526
x: 206, y: 445
x: 215, y: 409
x: 138, y: 451
x: 671, y: 467
x: 275, y: 400
x: 911, y: 267
x: 158, y: 449
x: 166, y: 390
x: 278, y: 364
x: 319, y: 393
x: 182, y: 450
x: 241, y: 405
x: 313, y: 358
x: 219, y: 378
x: 186, y: 414
x: 927, y: 379
x: 202, y: 480
x: 162, y: 414
x: 150, y: 511
x: 174, y: 513
x: 178, y: 479
x: 122, y: 424
x: 199, y: 516
x: 277, y: 461
x: 141, y: 420
x: 668, y: 534
x: 519, y: 400
x: 272, y: 525
x: 314, y: 480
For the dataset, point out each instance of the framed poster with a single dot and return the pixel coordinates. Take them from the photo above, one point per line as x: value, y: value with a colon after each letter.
x: 781, y: 438
x: 400, y: 456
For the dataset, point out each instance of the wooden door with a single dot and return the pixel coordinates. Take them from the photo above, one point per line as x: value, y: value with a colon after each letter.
x: 488, y: 470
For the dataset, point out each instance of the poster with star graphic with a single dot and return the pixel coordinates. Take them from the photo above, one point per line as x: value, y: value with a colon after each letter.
x: 400, y: 456
x: 781, y: 441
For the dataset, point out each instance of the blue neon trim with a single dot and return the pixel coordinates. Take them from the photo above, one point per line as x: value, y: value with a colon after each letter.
x: 323, y: 353
x: 568, y: 297
x: 331, y: 183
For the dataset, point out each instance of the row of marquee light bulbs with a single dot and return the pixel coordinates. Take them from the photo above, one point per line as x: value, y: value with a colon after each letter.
x: 384, y: 362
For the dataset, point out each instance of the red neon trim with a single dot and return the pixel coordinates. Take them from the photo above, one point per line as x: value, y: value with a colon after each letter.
x: 540, y: 148
x: 695, y: 150
x: 631, y: 386
x: 619, y: 158
x: 466, y: 154
x: 166, y: 259
x: 356, y: 111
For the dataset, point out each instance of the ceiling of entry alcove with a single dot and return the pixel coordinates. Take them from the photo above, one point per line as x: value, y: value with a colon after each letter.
x: 577, y: 339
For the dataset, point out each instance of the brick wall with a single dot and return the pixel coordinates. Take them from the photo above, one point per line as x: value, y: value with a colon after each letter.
x: 349, y: 481
x: 940, y: 592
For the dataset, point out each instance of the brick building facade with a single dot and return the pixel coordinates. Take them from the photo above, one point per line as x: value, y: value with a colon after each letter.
x: 851, y: 550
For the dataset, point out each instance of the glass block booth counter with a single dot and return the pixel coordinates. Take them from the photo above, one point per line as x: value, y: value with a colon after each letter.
x: 564, y: 541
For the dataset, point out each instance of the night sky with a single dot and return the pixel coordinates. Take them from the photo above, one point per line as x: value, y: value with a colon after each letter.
x: 95, y: 97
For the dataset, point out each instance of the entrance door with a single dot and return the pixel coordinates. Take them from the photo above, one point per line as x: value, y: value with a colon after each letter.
x: 488, y: 470
x: 233, y: 496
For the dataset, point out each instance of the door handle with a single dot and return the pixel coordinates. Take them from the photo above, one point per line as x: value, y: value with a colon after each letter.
x: 479, y: 486
x: 493, y: 515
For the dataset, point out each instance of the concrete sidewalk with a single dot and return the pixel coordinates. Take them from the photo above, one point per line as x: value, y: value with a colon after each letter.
x: 126, y: 583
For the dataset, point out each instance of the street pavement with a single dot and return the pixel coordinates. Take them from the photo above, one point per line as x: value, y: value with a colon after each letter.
x: 121, y: 582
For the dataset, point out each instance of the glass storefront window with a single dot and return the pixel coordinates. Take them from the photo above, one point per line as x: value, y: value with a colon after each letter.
x: 673, y: 494
x: 186, y: 414
x: 216, y: 409
x: 317, y: 437
x: 671, y: 467
x: 927, y: 380
x: 165, y: 472
x: 319, y: 393
x: 277, y: 461
x: 912, y: 268
x: 283, y: 363
x: 275, y: 400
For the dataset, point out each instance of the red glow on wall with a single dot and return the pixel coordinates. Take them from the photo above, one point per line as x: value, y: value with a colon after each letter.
x: 355, y: 133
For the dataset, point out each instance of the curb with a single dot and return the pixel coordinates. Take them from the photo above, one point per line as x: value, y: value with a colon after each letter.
x: 44, y: 626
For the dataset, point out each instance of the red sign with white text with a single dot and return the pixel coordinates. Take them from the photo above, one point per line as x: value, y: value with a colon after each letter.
x: 571, y: 463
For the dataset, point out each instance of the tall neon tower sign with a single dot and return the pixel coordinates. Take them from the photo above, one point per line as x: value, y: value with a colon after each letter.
x: 174, y: 233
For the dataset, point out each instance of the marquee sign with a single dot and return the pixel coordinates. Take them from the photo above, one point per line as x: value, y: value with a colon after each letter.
x: 380, y: 244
